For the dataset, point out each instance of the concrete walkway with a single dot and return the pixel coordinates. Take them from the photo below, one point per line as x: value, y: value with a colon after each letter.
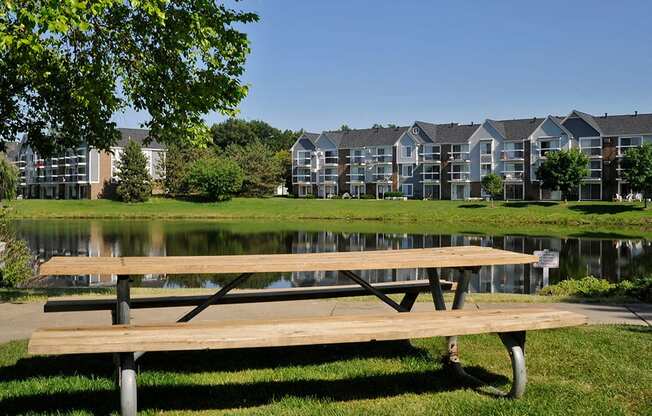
x: 17, y: 321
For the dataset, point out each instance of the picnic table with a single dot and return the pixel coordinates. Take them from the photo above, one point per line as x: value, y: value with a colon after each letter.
x: 130, y: 341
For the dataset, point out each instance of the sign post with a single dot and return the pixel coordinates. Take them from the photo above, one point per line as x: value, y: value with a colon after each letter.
x: 547, y: 259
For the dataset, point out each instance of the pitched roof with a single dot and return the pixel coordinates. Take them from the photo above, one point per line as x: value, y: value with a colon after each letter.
x: 430, y: 129
x: 137, y: 135
x: 517, y: 129
x: 310, y: 136
x: 334, y: 136
x: 588, y: 118
x: 454, y: 133
x: 385, y: 136
x: 625, y: 124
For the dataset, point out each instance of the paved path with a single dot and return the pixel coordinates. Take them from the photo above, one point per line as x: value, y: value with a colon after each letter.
x: 17, y: 321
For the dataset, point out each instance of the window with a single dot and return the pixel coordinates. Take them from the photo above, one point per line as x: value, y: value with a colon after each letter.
x: 330, y: 157
x: 406, y: 151
x: 406, y: 170
x: 513, y: 171
x: 590, y: 191
x: 357, y: 174
x: 460, y: 172
x: 355, y: 156
x: 595, y: 169
x: 460, y: 152
x: 485, y: 147
x: 415, y: 130
x: 591, y: 146
x: 512, y: 150
x: 406, y: 188
x: 431, y: 152
x: 430, y: 172
x: 485, y: 169
x: 303, y: 157
x: 626, y: 143
x: 549, y: 145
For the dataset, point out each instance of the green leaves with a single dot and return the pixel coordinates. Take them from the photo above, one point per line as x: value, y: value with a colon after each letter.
x: 493, y: 185
x: 637, y: 168
x: 8, y: 179
x: 563, y: 171
x: 134, y: 182
x: 66, y: 67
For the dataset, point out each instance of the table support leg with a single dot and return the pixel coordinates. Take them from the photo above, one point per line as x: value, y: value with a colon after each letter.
x: 373, y: 290
x: 127, y: 368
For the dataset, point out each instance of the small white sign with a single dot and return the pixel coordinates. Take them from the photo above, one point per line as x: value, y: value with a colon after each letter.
x: 547, y: 259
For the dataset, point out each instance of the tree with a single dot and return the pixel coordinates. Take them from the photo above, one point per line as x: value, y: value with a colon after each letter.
x: 8, y: 179
x: 242, y: 132
x: 67, y: 66
x: 216, y: 179
x: 637, y: 169
x: 493, y: 185
x: 377, y: 126
x: 134, y: 182
x: 16, y: 261
x: 392, y: 126
x: 174, y: 167
x: 344, y: 127
x: 563, y: 171
x: 262, y: 170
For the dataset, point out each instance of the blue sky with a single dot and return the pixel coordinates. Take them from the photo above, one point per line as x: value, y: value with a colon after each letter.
x: 320, y: 64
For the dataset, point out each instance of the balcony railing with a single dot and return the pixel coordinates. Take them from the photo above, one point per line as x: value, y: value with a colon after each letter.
x: 301, y: 179
x: 430, y: 157
x: 328, y: 178
x: 356, y: 159
x: 459, y: 176
x: 302, y: 162
x: 331, y: 160
x: 382, y: 177
x: 430, y: 176
x: 595, y: 174
x: 381, y: 158
x: 512, y: 154
x: 592, y: 152
x: 460, y: 156
x: 513, y: 175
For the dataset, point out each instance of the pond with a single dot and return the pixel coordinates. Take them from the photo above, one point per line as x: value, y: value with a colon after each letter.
x: 615, y: 258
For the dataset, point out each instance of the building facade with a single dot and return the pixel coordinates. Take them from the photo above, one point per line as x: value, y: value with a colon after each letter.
x: 81, y: 173
x: 448, y: 161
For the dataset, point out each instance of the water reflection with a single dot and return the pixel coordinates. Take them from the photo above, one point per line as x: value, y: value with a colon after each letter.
x: 614, y: 259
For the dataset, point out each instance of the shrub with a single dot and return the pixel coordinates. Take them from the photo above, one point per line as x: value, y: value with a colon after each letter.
x: 215, y: 179
x: 173, y: 168
x: 591, y: 287
x: 394, y: 194
x: 8, y: 179
x: 16, y: 261
x: 134, y: 183
x: 367, y: 196
x: 263, y: 170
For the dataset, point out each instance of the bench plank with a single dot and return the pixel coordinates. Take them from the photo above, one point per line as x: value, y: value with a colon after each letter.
x: 292, y: 332
x: 466, y: 256
x: 244, y: 296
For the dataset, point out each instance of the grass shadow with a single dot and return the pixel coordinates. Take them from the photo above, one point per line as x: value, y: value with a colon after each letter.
x: 602, y: 209
x: 185, y: 396
x: 473, y: 206
x: 527, y: 204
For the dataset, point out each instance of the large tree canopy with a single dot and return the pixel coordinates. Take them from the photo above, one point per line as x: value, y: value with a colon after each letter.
x: 563, y: 171
x: 637, y: 169
x: 66, y: 67
x: 242, y: 132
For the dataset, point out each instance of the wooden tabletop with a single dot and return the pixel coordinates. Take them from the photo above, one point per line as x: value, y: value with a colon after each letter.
x: 467, y: 256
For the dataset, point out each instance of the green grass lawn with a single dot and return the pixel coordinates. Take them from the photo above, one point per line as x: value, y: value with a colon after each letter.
x: 522, y: 214
x: 596, y: 370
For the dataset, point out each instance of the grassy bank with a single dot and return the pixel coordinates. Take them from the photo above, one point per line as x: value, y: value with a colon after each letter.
x: 580, y: 371
x: 604, y: 214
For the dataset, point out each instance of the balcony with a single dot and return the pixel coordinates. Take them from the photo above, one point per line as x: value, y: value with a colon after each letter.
x: 301, y: 178
x: 302, y: 162
x: 432, y: 157
x: 512, y: 154
x: 382, y: 177
x: 381, y: 158
x: 356, y: 177
x: 595, y: 175
x: 430, y: 177
x: 460, y: 157
x: 459, y: 176
x: 328, y: 178
x: 593, y: 152
x: 544, y: 152
x: 330, y: 160
x: 356, y: 160
x: 513, y: 175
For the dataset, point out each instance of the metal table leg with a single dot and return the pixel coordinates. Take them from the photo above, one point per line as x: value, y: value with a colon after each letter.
x: 127, y: 369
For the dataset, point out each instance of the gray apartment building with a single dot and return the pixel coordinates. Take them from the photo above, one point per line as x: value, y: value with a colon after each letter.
x: 81, y: 173
x: 448, y: 161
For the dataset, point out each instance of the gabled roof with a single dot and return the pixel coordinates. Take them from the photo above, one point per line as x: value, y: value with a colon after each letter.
x: 138, y: 135
x: 310, y: 136
x: 334, y: 136
x: 588, y: 118
x: 453, y: 133
x: 385, y: 136
x: 625, y: 124
x: 430, y: 129
x: 517, y: 129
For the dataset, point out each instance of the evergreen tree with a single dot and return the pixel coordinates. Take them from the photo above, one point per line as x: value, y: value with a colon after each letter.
x: 263, y: 171
x: 134, y: 182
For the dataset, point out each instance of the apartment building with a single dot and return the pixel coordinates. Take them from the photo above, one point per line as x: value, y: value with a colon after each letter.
x: 81, y: 173
x: 448, y: 161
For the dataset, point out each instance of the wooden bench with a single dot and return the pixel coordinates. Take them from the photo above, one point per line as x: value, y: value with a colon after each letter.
x: 128, y: 340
